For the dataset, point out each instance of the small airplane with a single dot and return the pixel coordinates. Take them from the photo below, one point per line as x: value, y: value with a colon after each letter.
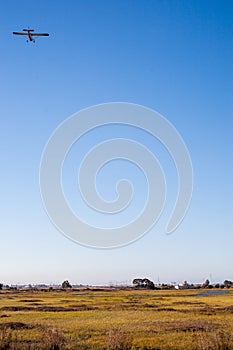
x: 29, y: 33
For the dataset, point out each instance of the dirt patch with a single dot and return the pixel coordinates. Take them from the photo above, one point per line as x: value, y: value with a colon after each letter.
x: 82, y: 307
x: 186, y: 326
x: 46, y: 308
x: 17, y: 308
x: 30, y: 301
x: 214, y: 310
x: 149, y: 306
x: 15, y: 325
x: 54, y: 309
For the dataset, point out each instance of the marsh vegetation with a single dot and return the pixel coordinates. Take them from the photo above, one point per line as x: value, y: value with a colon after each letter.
x: 116, y: 319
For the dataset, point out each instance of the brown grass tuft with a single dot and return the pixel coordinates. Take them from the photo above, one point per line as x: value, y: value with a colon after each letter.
x: 5, y: 339
x: 215, y: 340
x: 53, y: 339
x: 117, y: 339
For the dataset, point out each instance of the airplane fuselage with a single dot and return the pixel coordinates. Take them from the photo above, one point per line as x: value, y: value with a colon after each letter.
x: 29, y: 34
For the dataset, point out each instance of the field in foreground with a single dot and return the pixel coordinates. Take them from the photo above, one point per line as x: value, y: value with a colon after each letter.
x: 116, y: 319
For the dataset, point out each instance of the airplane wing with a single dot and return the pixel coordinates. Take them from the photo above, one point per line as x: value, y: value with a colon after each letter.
x: 19, y: 33
x: 39, y: 34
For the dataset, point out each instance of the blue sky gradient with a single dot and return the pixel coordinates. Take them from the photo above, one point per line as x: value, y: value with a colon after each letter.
x: 172, y: 56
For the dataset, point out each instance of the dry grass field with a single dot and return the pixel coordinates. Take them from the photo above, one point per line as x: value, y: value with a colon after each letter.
x: 116, y: 319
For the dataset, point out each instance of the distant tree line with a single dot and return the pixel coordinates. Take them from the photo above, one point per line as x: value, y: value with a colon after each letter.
x: 143, y: 283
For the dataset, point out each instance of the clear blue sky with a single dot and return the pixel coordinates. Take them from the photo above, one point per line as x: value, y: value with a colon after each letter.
x: 172, y: 56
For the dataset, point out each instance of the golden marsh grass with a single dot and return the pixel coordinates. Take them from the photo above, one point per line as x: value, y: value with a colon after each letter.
x: 116, y: 319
